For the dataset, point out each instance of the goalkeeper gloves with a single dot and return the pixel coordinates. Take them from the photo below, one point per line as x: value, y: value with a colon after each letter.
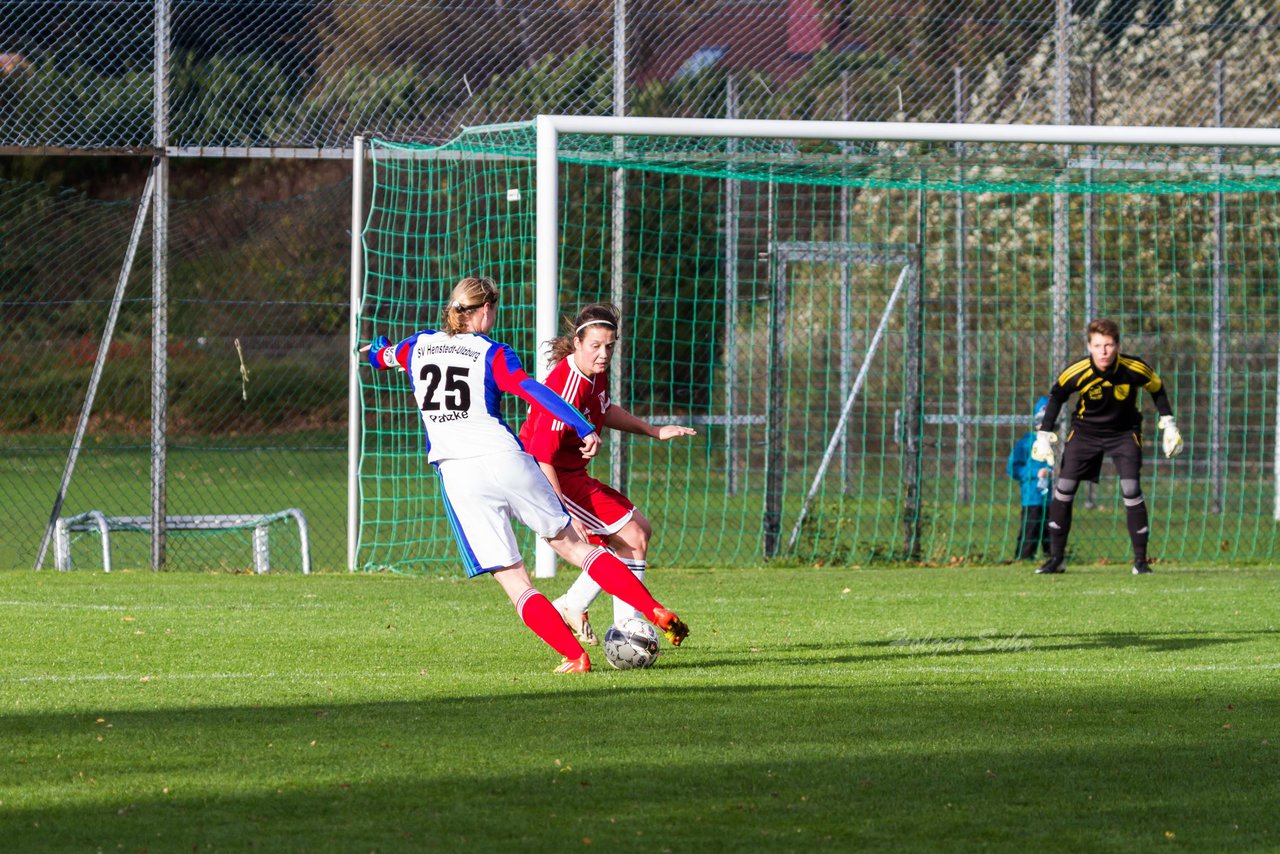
x: 379, y: 344
x: 1042, y: 449
x: 1171, y: 442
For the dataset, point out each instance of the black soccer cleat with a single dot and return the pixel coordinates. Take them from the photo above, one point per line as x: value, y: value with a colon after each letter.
x: 1052, y: 566
x: 1141, y: 567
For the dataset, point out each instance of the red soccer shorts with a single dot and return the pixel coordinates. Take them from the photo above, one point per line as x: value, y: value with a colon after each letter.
x: 603, y: 509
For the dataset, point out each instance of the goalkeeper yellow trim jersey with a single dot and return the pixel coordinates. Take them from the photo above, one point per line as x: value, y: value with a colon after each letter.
x: 1108, y: 400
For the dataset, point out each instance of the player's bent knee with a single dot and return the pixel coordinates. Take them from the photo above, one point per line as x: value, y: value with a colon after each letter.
x: 635, y: 535
x: 514, y: 580
x: 1065, y: 490
x: 568, y: 545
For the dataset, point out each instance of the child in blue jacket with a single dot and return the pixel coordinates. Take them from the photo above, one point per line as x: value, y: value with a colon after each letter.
x: 1036, y: 479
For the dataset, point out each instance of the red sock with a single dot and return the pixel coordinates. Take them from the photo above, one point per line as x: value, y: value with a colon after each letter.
x: 615, y: 579
x: 546, y: 622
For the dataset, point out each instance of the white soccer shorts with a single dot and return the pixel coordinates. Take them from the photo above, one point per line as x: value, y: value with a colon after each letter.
x: 482, y: 494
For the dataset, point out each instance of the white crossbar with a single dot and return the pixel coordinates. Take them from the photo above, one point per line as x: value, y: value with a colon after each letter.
x: 914, y: 131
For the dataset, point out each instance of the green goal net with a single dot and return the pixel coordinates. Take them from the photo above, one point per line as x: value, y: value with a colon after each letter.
x: 858, y: 330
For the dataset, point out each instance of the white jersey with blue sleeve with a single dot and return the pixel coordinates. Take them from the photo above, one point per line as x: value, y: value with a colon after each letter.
x: 458, y: 381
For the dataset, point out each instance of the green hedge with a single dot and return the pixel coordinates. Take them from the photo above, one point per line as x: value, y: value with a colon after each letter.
x: 206, y: 395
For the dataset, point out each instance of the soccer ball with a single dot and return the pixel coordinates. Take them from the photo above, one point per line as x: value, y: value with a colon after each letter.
x: 631, y: 644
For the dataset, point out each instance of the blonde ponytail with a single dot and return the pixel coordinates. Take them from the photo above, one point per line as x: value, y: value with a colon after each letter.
x: 468, y: 295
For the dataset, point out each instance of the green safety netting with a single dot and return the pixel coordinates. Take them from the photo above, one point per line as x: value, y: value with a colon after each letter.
x: 928, y: 291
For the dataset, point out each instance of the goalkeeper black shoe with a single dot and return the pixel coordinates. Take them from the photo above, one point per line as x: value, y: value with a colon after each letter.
x: 1052, y: 566
x: 1141, y: 567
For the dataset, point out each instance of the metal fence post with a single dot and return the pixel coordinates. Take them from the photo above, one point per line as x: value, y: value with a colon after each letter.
x: 846, y: 298
x: 1090, y: 274
x: 732, y: 236
x: 913, y: 406
x: 160, y: 295
x: 964, y: 480
x: 775, y: 405
x: 1061, y: 209
x: 1217, y: 485
x: 619, y: 441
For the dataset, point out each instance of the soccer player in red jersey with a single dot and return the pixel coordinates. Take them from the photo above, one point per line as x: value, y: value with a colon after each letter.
x: 601, y: 513
x: 458, y: 374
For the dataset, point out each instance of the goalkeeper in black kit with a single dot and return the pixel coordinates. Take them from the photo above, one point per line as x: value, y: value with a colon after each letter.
x: 1105, y: 422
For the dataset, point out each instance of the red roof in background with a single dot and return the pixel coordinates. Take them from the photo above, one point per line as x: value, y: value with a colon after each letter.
x: 777, y: 38
x: 806, y: 31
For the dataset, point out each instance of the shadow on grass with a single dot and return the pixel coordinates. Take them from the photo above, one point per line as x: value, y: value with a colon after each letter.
x: 998, y: 642
x: 904, y: 644
x: 782, y: 767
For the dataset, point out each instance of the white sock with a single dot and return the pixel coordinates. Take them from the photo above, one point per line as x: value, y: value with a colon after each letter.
x: 580, y: 594
x: 621, y: 610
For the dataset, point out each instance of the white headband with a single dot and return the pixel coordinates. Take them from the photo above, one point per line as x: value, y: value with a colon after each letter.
x: 589, y: 322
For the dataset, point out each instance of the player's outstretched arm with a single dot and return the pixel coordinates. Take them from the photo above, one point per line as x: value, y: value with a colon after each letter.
x: 383, y: 355
x: 618, y: 418
x: 510, y: 377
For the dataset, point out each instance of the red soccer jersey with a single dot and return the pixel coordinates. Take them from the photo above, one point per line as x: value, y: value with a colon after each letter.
x: 552, y: 441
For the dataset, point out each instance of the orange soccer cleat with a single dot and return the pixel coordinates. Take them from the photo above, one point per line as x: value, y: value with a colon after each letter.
x: 581, y: 664
x: 673, y: 628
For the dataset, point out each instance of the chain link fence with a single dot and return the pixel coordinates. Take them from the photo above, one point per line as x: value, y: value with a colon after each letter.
x: 257, y: 343
x: 257, y: 261
x: 294, y: 74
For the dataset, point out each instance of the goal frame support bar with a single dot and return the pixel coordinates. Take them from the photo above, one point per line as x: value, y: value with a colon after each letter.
x: 99, y: 362
x: 909, y: 272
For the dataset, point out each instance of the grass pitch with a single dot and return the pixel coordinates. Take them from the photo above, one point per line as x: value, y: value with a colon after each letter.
x: 811, y: 709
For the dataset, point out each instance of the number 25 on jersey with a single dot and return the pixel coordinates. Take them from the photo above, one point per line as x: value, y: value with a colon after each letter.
x: 456, y: 394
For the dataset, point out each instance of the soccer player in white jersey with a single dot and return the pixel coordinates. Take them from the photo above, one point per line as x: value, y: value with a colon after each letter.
x: 601, y: 513
x: 458, y: 375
